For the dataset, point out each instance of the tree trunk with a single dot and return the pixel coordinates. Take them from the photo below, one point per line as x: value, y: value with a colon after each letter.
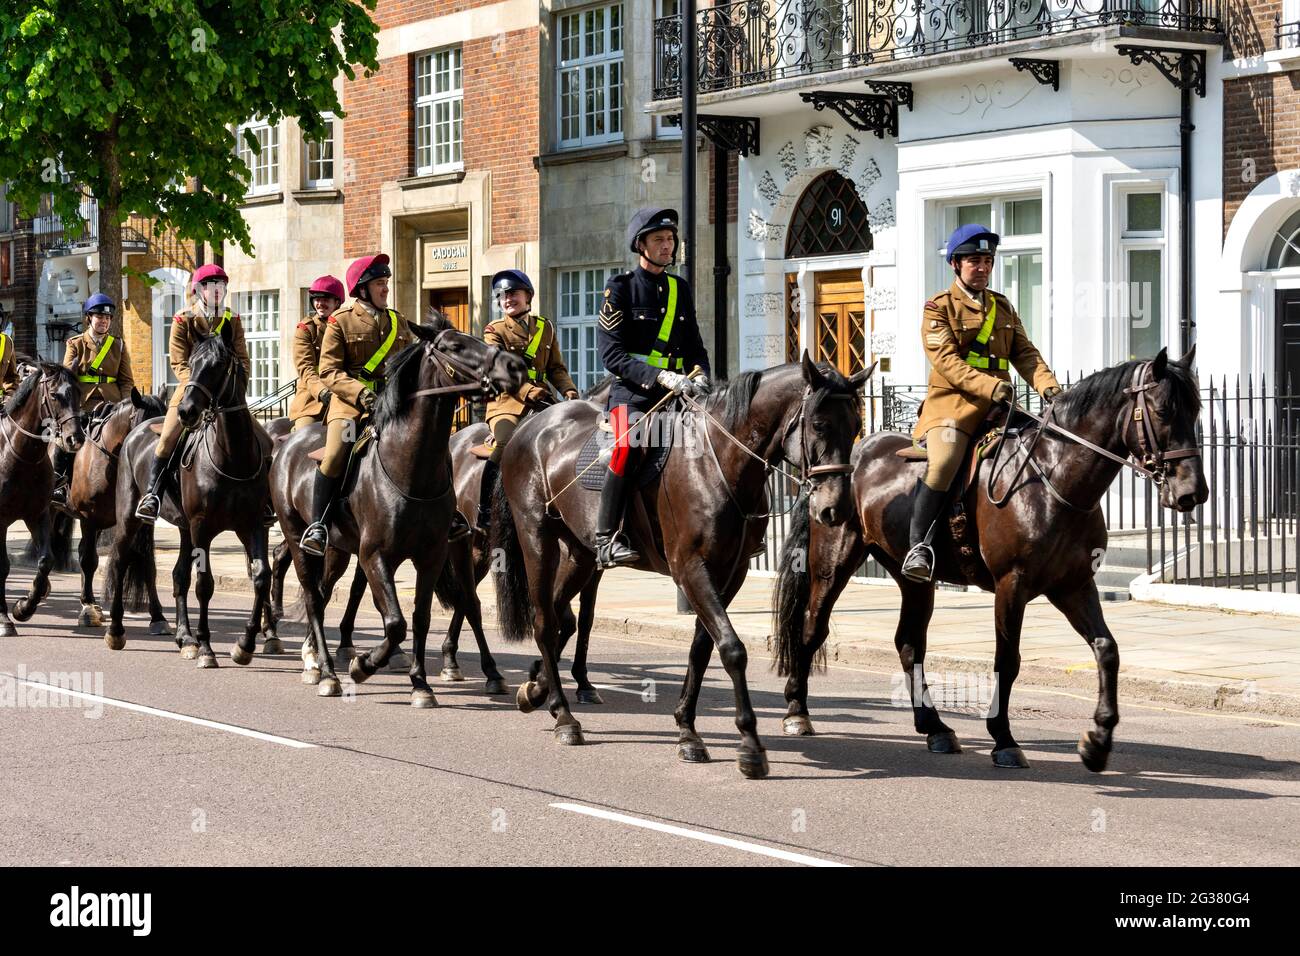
x: 110, y: 228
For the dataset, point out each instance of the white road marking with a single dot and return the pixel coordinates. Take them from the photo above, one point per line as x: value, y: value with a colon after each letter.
x: 757, y: 848
x: 156, y: 712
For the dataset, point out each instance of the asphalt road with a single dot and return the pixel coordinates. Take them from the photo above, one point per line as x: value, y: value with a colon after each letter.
x: 368, y: 779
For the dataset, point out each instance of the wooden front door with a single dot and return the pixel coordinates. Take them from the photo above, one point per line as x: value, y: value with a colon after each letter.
x: 839, y: 328
x: 454, y: 304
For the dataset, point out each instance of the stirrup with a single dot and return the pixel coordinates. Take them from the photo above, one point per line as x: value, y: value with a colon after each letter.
x: 918, y: 564
x: 149, y: 507
x: 308, y: 543
x: 459, y: 527
x: 613, y: 553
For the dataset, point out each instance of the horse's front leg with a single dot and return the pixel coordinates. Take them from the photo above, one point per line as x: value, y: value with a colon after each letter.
x: 40, y: 532
x: 384, y: 590
x: 181, y: 595
x: 7, y: 628
x: 696, y: 581
x: 259, y: 572
x: 1009, y: 613
x: 204, y: 588
x: 280, y: 567
x: 1082, y: 608
x: 421, y: 692
x: 910, y: 639
x: 690, y: 746
x: 460, y: 564
x: 586, y: 693
x: 356, y: 592
x: 91, y: 615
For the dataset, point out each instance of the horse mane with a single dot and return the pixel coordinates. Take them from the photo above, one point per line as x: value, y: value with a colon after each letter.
x: 405, y: 377
x: 1092, y: 391
x: 603, y: 383
x: 734, y: 396
x: 220, y: 353
x: 28, y: 385
x: 152, y: 405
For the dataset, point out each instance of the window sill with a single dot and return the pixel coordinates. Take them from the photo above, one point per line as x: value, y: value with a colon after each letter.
x: 315, y: 194
x: 268, y: 199
x: 432, y: 179
x: 580, y: 154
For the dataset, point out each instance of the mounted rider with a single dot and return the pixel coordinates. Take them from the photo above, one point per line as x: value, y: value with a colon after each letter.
x: 103, y: 369
x: 972, y: 337
x: 312, y: 396
x: 532, y: 337
x: 8, y: 366
x: 207, y: 315
x: 649, y: 338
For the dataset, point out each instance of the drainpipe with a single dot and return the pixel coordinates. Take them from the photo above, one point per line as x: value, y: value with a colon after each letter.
x: 721, y: 265
x: 690, y: 57
x: 1185, y: 128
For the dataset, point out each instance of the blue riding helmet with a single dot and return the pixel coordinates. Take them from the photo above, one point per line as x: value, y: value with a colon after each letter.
x: 508, y: 280
x: 99, y: 303
x: 972, y: 239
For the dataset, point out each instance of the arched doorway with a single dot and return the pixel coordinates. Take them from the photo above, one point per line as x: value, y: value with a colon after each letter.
x: 830, y: 223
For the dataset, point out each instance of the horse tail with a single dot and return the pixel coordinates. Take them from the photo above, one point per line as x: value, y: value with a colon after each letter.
x: 514, y: 605
x: 138, y: 571
x: 790, y: 598
x: 449, y: 589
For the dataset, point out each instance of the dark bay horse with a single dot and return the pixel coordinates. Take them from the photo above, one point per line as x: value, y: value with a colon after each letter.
x: 92, y: 494
x: 221, y: 486
x: 397, y: 501
x: 1044, y: 540
x: 45, y: 408
x: 702, y: 517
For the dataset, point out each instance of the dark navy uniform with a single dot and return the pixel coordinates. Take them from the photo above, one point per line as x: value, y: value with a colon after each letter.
x: 631, y: 319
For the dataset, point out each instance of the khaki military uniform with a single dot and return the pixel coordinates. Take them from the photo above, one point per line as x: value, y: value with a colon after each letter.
x: 535, y: 341
x: 189, y: 327
x: 959, y: 394
x: 105, y: 378
x: 8, y: 365
x: 306, y: 406
x: 354, y: 335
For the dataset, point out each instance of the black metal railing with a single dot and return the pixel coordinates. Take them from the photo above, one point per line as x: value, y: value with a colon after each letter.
x: 1245, y: 536
x: 747, y: 42
x: 1286, y: 36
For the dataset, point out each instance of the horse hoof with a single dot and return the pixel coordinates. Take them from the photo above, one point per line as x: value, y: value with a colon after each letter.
x: 1010, y: 757
x: 8, y: 630
x: 358, y: 672
x: 272, y: 645
x: 692, y: 751
x: 399, y: 663
x: 159, y: 627
x: 1094, y: 756
x: 588, y: 695
x: 569, y: 735
x: 451, y: 675
x: 311, y: 675
x: 752, y: 765
x: 240, y: 656
x: 496, y: 687
x: 207, y: 662
x: 521, y: 697
x: 189, y: 652
x: 115, y: 642
x: 345, y: 652
x: 944, y: 742
x: 798, y: 725
x: 92, y: 615
x: 329, y: 687
x: 423, y: 699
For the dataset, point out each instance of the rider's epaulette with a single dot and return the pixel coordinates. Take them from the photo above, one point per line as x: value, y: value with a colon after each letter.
x: 334, y: 320
x: 304, y: 326
x: 934, y: 301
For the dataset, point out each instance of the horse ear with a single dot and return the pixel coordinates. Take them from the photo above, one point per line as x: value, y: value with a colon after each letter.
x: 136, y: 400
x: 423, y: 332
x: 811, y: 373
x: 857, y: 381
x: 1189, y: 358
x: 1159, y: 363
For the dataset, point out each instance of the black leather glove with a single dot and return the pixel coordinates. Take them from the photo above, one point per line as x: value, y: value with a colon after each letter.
x: 1051, y: 392
x: 368, y: 400
x: 1003, y: 392
x: 324, y: 398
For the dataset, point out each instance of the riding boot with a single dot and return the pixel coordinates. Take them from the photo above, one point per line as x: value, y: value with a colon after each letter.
x: 316, y: 538
x: 610, y: 551
x: 919, y: 564
x: 486, y: 484
x: 151, y: 503
x: 62, y: 469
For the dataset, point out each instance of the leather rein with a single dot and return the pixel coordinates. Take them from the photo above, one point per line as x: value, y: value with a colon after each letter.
x: 48, y: 416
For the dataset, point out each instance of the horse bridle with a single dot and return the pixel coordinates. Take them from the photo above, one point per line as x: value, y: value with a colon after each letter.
x: 813, y: 474
x: 46, y: 417
x: 1156, y: 463
x: 480, y: 381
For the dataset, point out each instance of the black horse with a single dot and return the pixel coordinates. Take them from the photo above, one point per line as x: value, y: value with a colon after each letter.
x: 398, y: 497
x: 1044, y: 539
x: 221, y: 486
x: 702, y: 517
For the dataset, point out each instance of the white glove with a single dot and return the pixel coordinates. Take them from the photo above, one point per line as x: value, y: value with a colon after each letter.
x: 672, y: 381
x: 700, y: 384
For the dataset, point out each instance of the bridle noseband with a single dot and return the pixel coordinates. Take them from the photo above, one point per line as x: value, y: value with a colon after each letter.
x: 814, y: 473
x: 47, y: 416
x: 1156, y: 462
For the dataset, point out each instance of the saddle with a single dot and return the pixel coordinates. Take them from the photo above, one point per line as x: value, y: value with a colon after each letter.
x: 358, y: 446
x: 656, y: 436
x: 97, y: 416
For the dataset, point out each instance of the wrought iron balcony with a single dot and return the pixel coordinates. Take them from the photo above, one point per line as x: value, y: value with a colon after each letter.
x: 755, y: 41
x: 1286, y: 35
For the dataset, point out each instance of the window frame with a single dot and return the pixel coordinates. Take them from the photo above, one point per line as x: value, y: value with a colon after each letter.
x: 322, y: 182
x: 609, y: 59
x: 453, y: 98
x: 1139, y: 240
x: 269, y: 151
x: 250, y: 304
x: 588, y: 298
